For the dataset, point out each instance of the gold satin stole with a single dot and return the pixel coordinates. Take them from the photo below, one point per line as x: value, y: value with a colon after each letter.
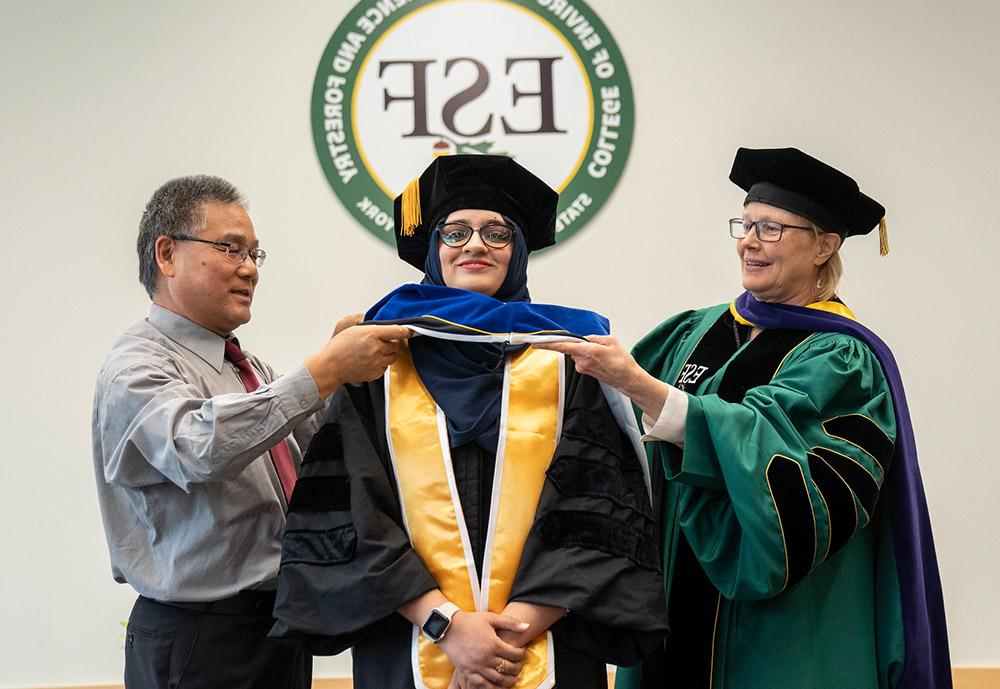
x: 530, y: 424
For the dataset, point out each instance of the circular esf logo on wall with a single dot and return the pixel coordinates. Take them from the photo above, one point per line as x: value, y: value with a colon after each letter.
x: 541, y: 81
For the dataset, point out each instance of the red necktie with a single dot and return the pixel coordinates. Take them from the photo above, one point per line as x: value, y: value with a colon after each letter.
x: 281, y: 456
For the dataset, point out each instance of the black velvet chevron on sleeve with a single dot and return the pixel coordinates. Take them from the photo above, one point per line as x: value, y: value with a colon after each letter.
x: 862, y: 432
x: 315, y: 534
x: 861, y: 483
x: 326, y: 446
x: 576, y: 529
x: 798, y: 528
x: 320, y: 494
x: 839, y: 501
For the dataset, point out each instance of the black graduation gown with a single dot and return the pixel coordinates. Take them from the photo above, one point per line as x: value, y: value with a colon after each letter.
x: 347, y: 563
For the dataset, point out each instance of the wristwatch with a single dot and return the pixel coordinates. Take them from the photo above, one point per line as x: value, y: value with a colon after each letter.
x: 439, y: 621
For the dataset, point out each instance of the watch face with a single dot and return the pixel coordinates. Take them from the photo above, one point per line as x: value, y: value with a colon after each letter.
x: 436, y: 625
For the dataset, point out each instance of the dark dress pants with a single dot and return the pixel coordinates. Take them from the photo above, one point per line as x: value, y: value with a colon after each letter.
x: 168, y: 647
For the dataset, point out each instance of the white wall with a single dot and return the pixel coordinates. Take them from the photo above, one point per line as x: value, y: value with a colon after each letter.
x: 100, y: 102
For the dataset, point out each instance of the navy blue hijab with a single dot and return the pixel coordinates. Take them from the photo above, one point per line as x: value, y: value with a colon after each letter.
x: 466, y: 378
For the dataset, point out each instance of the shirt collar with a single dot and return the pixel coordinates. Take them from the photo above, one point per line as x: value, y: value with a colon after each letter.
x: 202, y: 342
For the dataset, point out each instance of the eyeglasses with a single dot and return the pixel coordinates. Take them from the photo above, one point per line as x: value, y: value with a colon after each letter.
x: 235, y: 252
x: 767, y: 231
x: 494, y: 235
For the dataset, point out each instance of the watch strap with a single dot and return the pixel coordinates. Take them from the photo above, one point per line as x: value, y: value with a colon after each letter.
x: 446, y: 610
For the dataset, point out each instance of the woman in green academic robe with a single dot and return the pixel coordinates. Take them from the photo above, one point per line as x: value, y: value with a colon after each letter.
x: 796, y: 544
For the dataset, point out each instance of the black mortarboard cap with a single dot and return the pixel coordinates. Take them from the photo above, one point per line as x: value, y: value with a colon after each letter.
x: 796, y: 182
x: 486, y: 182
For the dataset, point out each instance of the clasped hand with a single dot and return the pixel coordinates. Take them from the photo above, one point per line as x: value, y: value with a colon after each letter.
x: 474, y: 647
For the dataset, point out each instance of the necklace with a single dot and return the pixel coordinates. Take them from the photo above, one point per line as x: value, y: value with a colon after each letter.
x: 736, y: 335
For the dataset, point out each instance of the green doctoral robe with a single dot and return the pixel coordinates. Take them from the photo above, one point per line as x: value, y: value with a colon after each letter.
x: 779, y: 567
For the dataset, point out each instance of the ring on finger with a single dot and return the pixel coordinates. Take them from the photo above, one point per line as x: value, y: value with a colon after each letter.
x: 501, y: 666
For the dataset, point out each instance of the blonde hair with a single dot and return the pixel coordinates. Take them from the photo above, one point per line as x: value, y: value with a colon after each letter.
x: 830, y: 272
x: 829, y: 277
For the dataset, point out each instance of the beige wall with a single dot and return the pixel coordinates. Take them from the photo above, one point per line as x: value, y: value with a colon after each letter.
x: 102, y: 101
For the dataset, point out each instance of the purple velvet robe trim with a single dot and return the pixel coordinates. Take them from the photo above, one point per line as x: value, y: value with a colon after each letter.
x: 927, y: 664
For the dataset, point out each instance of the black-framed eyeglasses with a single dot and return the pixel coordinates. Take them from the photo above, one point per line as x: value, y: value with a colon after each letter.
x: 767, y: 230
x: 235, y: 252
x: 495, y: 235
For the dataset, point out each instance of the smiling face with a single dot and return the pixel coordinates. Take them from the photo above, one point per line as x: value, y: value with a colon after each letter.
x: 786, y: 271
x: 474, y: 266
x: 199, y: 282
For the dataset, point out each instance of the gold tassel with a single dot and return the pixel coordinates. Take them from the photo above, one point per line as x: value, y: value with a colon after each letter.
x: 411, y: 209
x: 883, y: 238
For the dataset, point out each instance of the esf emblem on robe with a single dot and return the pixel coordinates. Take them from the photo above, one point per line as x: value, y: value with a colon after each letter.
x: 690, y: 375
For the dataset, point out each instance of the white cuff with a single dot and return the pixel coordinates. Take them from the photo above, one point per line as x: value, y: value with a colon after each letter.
x: 670, y: 425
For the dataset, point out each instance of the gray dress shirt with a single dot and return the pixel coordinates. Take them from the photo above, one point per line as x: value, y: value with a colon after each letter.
x: 192, y: 506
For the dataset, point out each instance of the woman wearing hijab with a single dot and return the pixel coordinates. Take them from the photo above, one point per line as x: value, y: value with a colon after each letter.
x: 797, y: 547
x: 480, y: 516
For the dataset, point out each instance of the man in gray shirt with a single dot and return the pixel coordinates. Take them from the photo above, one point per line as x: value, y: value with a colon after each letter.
x: 194, y: 461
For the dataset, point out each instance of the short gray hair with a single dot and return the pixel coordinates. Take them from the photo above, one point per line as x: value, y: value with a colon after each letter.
x: 176, y: 208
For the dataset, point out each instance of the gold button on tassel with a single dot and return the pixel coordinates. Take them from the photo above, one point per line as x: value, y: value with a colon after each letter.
x: 411, y: 209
